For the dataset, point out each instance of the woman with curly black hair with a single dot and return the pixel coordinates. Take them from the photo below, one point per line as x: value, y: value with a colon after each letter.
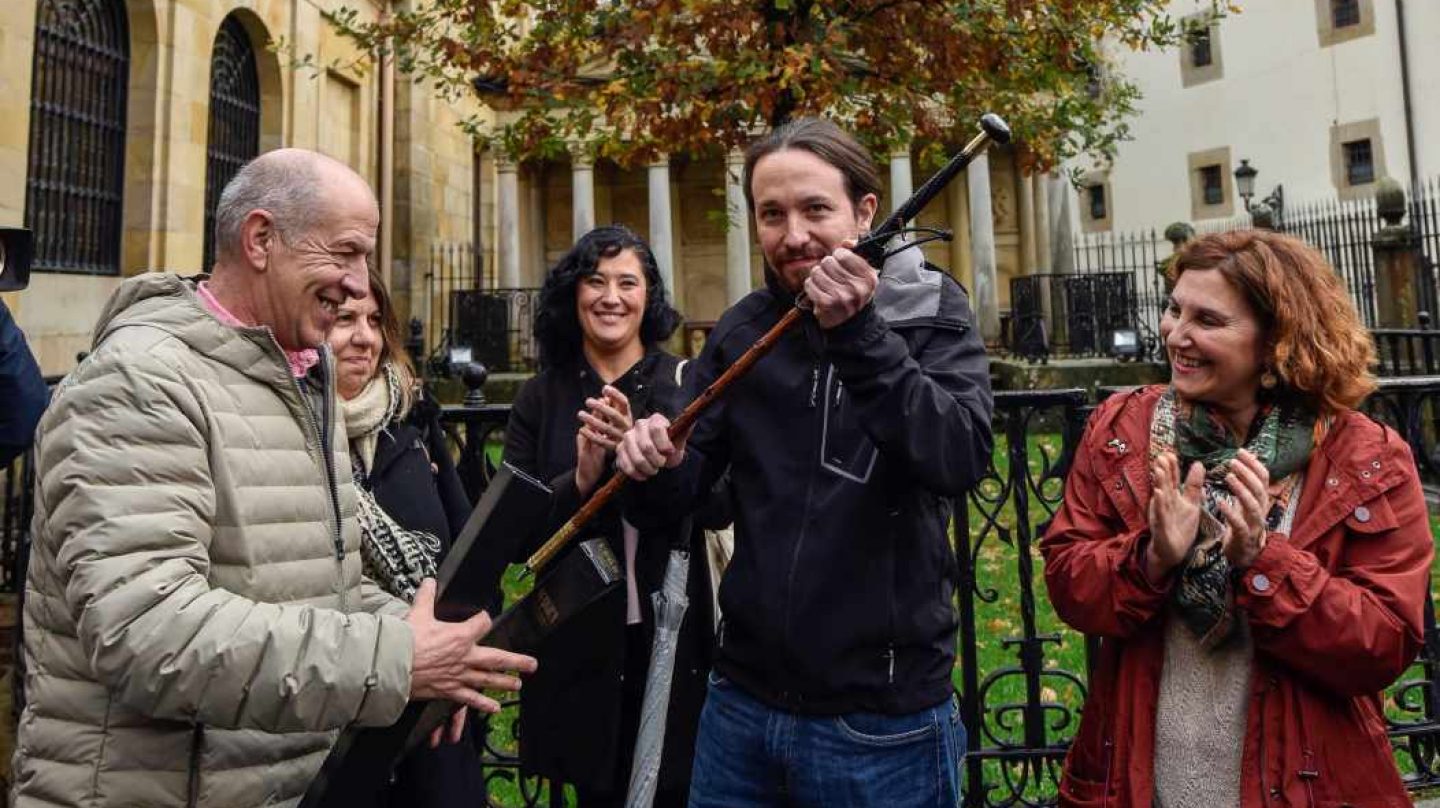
x: 602, y: 316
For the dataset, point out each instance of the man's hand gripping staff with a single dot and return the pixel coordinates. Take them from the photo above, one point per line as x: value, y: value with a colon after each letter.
x: 657, y: 443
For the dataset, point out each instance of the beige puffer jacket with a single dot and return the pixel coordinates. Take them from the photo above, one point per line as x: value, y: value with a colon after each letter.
x: 196, y: 625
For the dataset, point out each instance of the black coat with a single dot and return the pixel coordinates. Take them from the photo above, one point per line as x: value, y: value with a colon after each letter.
x: 570, y: 713
x: 845, y: 449
x: 413, y: 479
x: 413, y: 476
x: 21, y: 389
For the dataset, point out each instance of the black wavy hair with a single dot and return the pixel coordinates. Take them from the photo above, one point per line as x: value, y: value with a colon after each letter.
x: 557, y: 326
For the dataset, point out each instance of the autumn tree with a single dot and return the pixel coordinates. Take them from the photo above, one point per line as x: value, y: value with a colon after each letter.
x: 634, y: 78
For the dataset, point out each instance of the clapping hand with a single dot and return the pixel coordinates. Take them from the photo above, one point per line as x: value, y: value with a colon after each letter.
x: 1244, y: 535
x: 1174, y: 513
x: 602, y: 425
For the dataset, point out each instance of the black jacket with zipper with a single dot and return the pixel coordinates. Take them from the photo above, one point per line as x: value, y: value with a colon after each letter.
x: 846, y: 448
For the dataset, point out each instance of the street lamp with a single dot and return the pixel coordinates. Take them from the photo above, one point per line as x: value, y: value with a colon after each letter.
x: 1273, y: 205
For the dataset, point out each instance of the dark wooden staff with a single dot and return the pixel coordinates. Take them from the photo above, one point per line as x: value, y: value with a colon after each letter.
x: 872, y: 248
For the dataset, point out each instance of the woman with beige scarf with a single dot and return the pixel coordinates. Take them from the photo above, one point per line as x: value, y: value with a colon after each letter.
x: 411, y: 505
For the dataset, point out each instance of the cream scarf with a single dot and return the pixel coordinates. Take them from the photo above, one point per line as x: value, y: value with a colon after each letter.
x: 376, y: 405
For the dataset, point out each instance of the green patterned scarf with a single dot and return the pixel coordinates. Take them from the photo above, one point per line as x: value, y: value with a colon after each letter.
x: 1282, y: 437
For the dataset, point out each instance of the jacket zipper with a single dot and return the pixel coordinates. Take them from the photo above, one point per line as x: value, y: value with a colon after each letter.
x: 804, y: 511
x: 890, y: 655
x: 197, y: 738
x: 321, y: 431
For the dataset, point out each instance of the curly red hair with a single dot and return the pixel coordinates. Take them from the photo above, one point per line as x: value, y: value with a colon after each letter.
x: 1315, y: 341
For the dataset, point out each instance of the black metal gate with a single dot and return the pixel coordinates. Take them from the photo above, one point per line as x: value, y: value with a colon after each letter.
x: 1084, y: 311
x: 76, y: 164
x: 234, y: 136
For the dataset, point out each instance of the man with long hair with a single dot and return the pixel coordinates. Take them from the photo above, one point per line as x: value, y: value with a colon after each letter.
x: 846, y: 445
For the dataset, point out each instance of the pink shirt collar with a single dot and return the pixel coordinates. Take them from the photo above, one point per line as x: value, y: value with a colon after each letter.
x: 300, y: 361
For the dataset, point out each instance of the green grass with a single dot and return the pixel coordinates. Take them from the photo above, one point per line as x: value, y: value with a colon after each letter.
x: 998, y: 620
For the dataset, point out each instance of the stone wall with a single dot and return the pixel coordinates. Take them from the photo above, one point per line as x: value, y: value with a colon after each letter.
x: 334, y: 108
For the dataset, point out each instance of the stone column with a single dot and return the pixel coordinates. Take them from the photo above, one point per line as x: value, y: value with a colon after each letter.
x: 507, y: 192
x: 1062, y: 226
x: 902, y: 185
x: 1398, y: 262
x: 535, y: 229
x: 657, y: 175
x: 982, y: 250
x: 737, y: 235
x: 1027, y: 225
x: 957, y: 199
x: 582, y: 184
x: 1040, y: 189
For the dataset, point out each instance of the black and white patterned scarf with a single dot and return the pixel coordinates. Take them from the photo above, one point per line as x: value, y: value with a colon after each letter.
x: 396, y: 558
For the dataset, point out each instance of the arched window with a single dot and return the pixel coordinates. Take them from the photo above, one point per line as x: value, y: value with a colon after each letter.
x: 234, y: 136
x: 76, y: 165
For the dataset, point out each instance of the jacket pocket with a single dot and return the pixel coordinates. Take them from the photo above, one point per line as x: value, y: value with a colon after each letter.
x: 1372, y: 516
x: 1083, y: 793
x: 845, y: 449
x: 1351, y: 763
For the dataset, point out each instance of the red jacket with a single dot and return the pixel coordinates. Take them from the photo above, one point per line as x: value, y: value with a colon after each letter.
x: 1335, y: 613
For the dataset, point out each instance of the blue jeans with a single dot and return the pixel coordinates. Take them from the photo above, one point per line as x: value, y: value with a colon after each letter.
x: 750, y: 754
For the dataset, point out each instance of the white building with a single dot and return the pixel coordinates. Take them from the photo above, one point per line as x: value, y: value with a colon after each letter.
x: 1311, y: 92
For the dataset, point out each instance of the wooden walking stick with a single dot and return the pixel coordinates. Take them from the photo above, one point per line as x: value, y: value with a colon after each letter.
x: 872, y: 248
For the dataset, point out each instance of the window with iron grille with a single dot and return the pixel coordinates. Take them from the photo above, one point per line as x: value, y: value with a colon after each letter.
x: 1201, y: 54
x: 1212, y: 185
x: 1359, y: 162
x: 1345, y: 13
x: 234, y: 134
x: 75, y: 180
x: 1098, y: 208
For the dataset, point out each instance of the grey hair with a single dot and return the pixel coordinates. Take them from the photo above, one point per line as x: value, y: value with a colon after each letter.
x: 283, y: 183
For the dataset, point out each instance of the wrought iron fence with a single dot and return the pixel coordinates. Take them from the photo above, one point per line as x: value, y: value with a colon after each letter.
x: 16, y: 507
x: 1022, y: 674
x: 1408, y: 351
x: 492, y: 326
x: 1343, y: 230
x: 453, y: 268
x: 1070, y: 315
x: 1117, y: 284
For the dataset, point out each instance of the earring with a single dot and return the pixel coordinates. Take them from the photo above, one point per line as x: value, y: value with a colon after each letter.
x: 1268, y: 380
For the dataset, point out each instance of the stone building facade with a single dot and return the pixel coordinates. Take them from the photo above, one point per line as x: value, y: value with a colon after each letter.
x: 1322, y: 97
x: 125, y: 117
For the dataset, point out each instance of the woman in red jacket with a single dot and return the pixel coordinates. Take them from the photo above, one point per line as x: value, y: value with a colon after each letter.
x: 1253, y: 551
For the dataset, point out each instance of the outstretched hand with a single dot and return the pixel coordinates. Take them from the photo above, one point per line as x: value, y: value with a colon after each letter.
x: 1174, y: 513
x: 450, y: 665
